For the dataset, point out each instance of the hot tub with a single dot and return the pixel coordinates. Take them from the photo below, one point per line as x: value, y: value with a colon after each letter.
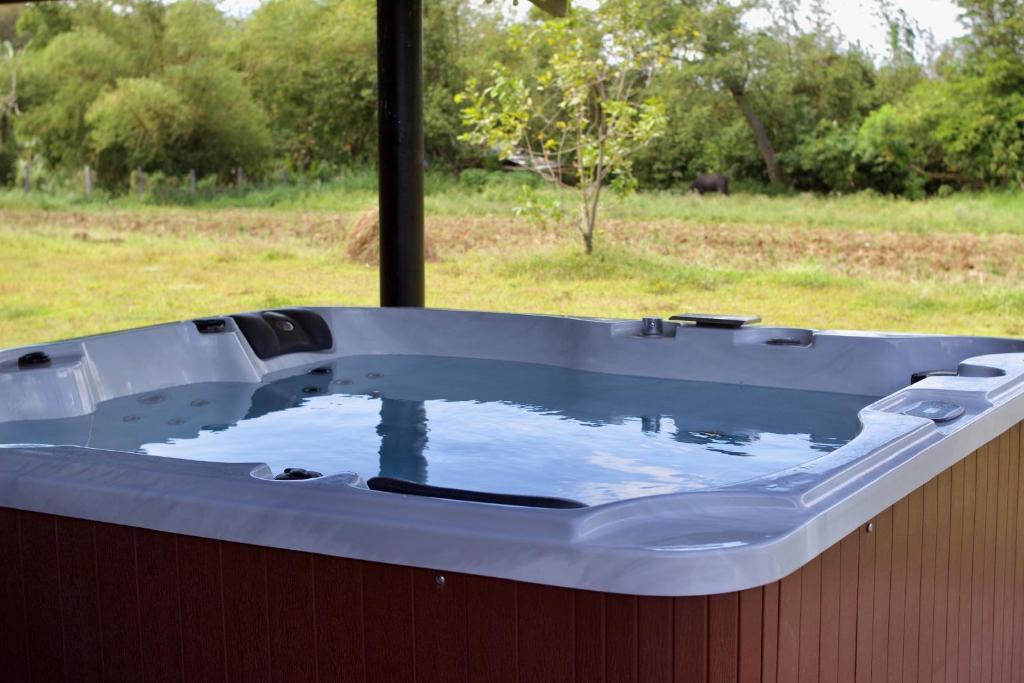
x: 408, y: 494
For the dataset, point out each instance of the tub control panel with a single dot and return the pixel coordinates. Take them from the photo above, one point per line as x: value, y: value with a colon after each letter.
x: 936, y: 411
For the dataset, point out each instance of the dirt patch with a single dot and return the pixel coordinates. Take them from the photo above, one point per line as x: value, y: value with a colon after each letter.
x: 955, y: 257
x: 310, y: 226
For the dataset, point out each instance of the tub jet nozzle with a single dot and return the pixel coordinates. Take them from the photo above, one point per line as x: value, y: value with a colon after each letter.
x: 652, y: 327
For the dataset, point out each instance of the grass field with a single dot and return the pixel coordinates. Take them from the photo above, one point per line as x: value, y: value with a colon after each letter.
x: 952, y: 265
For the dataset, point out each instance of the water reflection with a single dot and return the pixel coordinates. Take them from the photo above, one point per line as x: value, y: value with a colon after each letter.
x: 403, y: 438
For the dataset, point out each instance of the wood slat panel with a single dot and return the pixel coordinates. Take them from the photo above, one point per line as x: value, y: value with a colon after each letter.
x: 12, y: 602
x: 967, y: 568
x: 338, y: 591
x: 897, y: 592
x: 935, y: 592
x: 865, y: 602
x: 590, y: 637
x: 956, y: 569
x: 770, y: 634
x: 491, y: 618
x: 988, y: 582
x: 159, y: 606
x: 751, y: 620
x: 690, y: 629
x: 620, y: 627
x: 789, y: 628
x: 880, y: 610
x: 810, y: 621
x: 1008, y: 493
x: 1017, y: 658
x: 544, y: 633
x: 79, y: 598
x: 723, y: 637
x: 246, y: 631
x: 119, y: 603
x: 926, y: 603
x: 829, y: 615
x: 43, y: 611
x: 943, y: 554
x: 440, y: 613
x: 388, y: 623
x: 914, y: 580
x: 981, y: 646
x: 654, y: 640
x: 202, y: 609
x: 291, y: 608
x: 850, y: 568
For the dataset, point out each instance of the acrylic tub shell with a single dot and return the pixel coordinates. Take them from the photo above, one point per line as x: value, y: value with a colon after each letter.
x: 696, y: 543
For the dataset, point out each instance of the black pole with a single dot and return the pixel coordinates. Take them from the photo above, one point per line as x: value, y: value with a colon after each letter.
x: 400, y: 138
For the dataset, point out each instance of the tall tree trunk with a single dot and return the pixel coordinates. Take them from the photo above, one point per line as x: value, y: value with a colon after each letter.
x: 775, y: 172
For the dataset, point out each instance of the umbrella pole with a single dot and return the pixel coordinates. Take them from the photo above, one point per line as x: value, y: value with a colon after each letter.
x: 400, y: 141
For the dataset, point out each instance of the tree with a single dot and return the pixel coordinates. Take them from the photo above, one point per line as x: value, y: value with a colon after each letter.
x: 815, y: 91
x: 993, y: 50
x: 8, y: 110
x: 995, y: 31
x: 967, y: 128
x: 139, y: 124
x: 956, y: 132
x: 731, y: 56
x: 44, y: 21
x: 312, y: 67
x: 138, y: 83
x: 581, y: 117
x: 227, y: 129
x: 58, y: 85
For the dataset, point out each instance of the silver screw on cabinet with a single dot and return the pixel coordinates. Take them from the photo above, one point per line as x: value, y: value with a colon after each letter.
x: 870, y: 528
x: 440, y: 581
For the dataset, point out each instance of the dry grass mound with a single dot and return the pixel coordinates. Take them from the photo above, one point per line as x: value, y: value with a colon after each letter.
x: 364, y: 240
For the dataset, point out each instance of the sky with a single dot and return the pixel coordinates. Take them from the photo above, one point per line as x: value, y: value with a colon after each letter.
x: 859, y: 22
x: 857, y: 19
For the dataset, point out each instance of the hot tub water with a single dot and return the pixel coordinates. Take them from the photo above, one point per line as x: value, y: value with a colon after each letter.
x: 476, y: 424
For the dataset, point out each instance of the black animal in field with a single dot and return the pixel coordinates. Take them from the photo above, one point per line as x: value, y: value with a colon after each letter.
x: 710, y: 182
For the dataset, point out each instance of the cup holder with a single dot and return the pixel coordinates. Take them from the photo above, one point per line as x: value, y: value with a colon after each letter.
x: 971, y: 370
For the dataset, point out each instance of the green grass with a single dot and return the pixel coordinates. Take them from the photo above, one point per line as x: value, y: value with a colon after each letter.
x: 69, y: 268
x: 55, y: 284
x: 991, y: 212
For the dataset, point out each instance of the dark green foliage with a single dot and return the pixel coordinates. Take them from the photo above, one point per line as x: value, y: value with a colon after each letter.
x: 144, y: 86
x: 59, y: 83
x: 8, y: 162
x: 966, y: 129
x: 169, y: 87
x: 311, y: 66
x: 138, y: 124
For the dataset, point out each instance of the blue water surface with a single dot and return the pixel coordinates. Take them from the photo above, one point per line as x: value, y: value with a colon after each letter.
x: 476, y: 424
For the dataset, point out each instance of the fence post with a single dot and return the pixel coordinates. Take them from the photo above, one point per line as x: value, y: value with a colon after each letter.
x: 140, y: 181
x: 27, y: 180
x: 88, y: 182
x: 239, y: 178
x: 192, y: 183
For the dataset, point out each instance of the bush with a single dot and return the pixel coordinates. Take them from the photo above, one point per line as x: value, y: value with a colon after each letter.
x: 956, y: 133
x: 474, y: 179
